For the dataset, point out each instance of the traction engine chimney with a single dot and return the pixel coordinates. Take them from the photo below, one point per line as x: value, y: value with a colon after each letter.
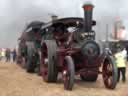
x: 88, y: 9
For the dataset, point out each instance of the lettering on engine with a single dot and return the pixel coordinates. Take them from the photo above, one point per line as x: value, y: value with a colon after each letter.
x: 90, y: 34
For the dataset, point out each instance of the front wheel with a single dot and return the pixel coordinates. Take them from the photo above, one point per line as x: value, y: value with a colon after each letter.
x: 109, y: 72
x: 68, y: 73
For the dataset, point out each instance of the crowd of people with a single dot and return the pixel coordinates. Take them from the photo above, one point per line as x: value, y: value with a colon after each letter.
x: 8, y: 55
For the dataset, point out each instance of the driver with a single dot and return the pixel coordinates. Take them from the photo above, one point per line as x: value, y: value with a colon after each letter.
x: 61, y: 34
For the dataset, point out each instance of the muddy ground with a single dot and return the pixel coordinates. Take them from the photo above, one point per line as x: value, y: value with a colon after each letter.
x: 14, y: 81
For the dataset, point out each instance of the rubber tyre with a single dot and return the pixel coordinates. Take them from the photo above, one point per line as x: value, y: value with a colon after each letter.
x: 38, y: 65
x: 52, y: 65
x: 31, y: 62
x: 71, y: 72
x: 38, y: 71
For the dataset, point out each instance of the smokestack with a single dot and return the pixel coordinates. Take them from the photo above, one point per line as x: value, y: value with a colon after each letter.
x: 88, y: 9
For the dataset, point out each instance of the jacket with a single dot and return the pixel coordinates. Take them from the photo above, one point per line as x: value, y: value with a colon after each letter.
x: 121, y: 59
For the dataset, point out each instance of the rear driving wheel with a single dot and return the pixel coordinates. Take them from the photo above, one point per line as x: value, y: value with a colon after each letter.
x: 68, y: 73
x: 48, y: 66
x: 109, y: 73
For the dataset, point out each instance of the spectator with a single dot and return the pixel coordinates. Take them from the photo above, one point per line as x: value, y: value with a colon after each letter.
x: 121, y: 63
x: 2, y: 54
x: 8, y: 55
x: 14, y: 55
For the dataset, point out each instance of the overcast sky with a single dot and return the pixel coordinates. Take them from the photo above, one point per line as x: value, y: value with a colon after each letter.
x: 14, y: 14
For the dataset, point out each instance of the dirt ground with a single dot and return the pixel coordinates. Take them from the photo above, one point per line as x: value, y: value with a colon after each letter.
x: 14, y: 81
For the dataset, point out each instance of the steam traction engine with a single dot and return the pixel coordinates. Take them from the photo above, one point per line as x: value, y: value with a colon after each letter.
x: 71, y: 49
x: 29, y: 46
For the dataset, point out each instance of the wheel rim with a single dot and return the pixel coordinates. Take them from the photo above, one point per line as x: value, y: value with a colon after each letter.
x: 44, y: 62
x: 108, y: 74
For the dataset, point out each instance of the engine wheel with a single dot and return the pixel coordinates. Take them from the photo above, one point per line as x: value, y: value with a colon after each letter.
x: 31, y: 62
x: 38, y: 71
x: 23, y: 62
x: 19, y: 60
x: 109, y: 73
x: 48, y: 66
x: 39, y: 66
x: 68, y: 73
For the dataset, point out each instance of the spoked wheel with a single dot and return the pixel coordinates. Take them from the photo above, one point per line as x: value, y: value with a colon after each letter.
x: 109, y: 73
x: 68, y: 73
x: 48, y: 66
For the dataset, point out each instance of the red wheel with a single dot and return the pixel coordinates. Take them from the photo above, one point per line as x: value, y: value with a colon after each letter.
x: 68, y: 73
x: 109, y: 73
x: 48, y: 66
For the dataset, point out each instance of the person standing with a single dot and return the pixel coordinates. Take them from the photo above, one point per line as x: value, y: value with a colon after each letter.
x: 14, y: 55
x: 2, y: 53
x: 8, y: 54
x: 121, y: 56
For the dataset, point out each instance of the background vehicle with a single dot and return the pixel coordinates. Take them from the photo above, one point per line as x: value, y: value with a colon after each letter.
x: 29, y: 46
